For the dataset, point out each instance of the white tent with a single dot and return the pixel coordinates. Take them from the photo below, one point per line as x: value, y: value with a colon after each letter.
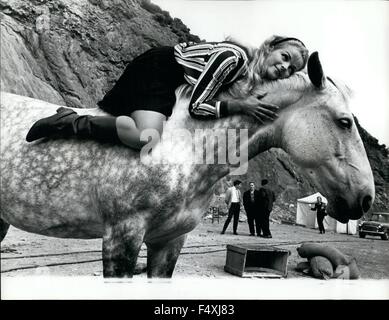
x: 307, y: 217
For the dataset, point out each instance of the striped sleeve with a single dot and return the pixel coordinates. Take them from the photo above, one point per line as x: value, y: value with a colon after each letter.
x: 202, y: 105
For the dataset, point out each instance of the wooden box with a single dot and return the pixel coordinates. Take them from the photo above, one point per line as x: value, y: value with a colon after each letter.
x: 248, y: 260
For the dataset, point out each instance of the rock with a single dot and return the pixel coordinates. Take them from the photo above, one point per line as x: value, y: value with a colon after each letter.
x: 8, y: 250
x: 71, y: 52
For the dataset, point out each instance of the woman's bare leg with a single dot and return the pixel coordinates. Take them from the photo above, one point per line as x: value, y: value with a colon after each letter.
x: 129, y: 129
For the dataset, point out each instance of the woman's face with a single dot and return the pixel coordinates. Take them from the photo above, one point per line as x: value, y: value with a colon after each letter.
x: 282, y: 63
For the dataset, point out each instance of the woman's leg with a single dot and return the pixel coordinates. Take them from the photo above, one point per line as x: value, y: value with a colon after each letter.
x: 129, y: 129
x: 67, y: 123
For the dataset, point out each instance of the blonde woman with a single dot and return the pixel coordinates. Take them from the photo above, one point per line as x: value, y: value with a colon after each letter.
x: 144, y: 95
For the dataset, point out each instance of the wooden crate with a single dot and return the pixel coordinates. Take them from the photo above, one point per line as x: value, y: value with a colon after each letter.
x: 248, y: 260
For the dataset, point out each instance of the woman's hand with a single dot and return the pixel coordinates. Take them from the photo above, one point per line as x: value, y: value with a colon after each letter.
x: 262, y: 111
x: 254, y: 107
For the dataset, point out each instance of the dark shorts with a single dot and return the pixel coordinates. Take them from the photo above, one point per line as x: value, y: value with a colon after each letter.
x: 148, y: 83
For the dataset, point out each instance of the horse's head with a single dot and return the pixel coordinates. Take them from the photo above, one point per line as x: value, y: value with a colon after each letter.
x: 315, y: 127
x: 318, y: 131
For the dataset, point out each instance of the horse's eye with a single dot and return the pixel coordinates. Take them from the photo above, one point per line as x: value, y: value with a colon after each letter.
x: 345, y: 123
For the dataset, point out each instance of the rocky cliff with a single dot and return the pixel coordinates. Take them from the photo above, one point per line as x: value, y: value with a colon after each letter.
x: 70, y: 52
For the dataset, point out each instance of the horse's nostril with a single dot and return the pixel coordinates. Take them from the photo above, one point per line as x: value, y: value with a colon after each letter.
x: 366, y: 203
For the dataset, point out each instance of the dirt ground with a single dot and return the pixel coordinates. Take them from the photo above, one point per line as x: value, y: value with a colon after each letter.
x: 204, y: 254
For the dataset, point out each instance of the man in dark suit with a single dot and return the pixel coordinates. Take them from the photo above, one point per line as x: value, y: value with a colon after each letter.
x: 320, y: 208
x: 267, y: 198
x: 250, y: 203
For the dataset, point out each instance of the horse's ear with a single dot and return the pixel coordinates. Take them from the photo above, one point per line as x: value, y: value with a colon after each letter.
x: 315, y: 71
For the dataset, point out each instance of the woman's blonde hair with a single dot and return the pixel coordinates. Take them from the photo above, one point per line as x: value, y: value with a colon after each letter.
x: 255, y: 69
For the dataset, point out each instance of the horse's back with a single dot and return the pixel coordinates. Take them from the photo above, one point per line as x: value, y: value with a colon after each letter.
x: 65, y: 187
x: 45, y: 182
x: 18, y: 113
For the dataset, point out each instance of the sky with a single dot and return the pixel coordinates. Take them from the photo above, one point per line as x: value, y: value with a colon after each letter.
x: 352, y: 38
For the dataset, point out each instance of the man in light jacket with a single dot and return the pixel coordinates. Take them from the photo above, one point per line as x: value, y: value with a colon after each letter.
x: 233, y: 200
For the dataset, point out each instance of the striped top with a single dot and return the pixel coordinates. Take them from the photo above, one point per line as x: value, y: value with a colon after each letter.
x: 208, y: 67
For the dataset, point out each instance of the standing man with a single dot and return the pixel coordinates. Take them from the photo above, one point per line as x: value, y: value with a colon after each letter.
x: 267, y: 198
x: 233, y: 199
x: 250, y: 203
x: 320, y: 209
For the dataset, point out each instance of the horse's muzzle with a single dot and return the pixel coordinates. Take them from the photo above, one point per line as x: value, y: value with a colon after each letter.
x: 367, y: 202
x: 343, y: 211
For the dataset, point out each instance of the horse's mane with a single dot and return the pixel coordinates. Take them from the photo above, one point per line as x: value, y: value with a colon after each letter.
x: 346, y: 92
x: 297, y: 82
x: 300, y: 82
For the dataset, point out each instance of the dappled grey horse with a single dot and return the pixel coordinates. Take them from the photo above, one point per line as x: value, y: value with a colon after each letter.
x: 83, y: 189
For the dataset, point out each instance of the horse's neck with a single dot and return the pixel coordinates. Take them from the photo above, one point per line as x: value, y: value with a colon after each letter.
x: 238, y: 138
x: 284, y: 94
x: 213, y: 148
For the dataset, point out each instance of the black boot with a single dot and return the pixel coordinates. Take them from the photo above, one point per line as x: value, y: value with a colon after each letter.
x: 61, y: 122
x: 67, y: 123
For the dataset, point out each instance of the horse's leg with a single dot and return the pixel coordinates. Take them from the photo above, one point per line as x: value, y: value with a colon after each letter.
x: 162, y: 257
x: 121, y: 245
x: 3, y: 229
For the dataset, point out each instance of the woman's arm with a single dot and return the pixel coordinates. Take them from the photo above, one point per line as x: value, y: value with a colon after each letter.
x: 202, y: 105
x: 219, y: 68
